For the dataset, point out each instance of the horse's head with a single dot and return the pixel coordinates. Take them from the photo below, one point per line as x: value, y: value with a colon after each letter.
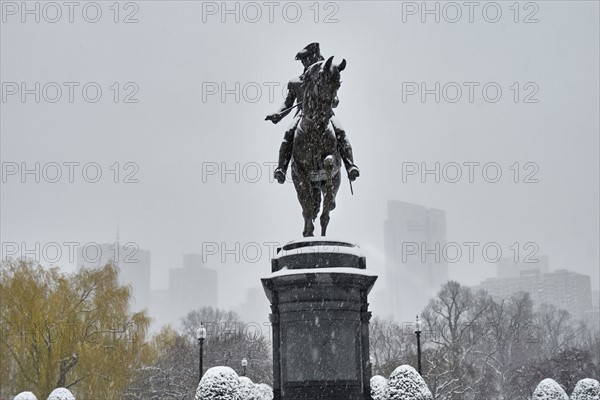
x: 322, y: 81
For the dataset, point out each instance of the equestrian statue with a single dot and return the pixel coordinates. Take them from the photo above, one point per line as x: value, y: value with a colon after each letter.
x: 315, y: 141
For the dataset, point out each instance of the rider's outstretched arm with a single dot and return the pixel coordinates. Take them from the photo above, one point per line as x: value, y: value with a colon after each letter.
x: 286, y: 107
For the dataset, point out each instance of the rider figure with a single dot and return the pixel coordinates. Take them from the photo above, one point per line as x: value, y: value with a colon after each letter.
x: 308, y: 56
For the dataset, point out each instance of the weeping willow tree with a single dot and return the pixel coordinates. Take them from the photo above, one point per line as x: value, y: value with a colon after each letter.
x: 73, y: 331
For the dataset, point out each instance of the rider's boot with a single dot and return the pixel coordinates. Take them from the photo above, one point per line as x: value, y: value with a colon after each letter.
x: 347, y: 157
x: 285, y: 154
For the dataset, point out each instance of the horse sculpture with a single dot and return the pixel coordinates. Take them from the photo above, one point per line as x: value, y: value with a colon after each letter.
x: 316, y: 157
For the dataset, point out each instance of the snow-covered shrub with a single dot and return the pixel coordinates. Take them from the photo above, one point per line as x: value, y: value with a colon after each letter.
x: 406, y: 384
x: 61, y: 394
x: 265, y: 391
x: 218, y: 383
x: 586, y: 389
x: 378, y: 387
x: 548, y: 389
x: 247, y: 389
x: 25, y: 396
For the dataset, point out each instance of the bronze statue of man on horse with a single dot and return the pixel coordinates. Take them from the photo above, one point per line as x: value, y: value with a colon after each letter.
x: 315, y: 140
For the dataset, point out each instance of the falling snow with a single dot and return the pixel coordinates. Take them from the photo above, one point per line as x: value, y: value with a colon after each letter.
x: 337, y: 270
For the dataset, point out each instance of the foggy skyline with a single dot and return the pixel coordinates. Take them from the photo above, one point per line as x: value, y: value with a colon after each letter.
x: 178, y: 132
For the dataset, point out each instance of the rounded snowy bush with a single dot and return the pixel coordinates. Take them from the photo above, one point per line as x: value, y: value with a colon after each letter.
x: 548, y: 389
x: 586, y: 389
x: 61, y: 394
x: 378, y: 387
x: 219, y: 383
x: 406, y: 384
x: 25, y: 396
x: 247, y: 389
x: 265, y: 391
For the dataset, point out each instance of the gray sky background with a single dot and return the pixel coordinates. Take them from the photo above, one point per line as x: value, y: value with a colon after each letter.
x: 171, y: 131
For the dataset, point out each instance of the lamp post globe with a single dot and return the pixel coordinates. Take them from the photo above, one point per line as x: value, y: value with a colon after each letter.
x: 244, y: 365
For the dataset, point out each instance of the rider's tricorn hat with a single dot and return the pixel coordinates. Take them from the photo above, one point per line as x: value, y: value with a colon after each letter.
x: 312, y: 50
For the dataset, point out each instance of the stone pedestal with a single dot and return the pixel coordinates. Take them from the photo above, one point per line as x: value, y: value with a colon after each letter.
x: 319, y: 311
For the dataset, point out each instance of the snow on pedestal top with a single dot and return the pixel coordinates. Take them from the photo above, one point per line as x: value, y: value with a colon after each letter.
x: 318, y: 253
x: 319, y: 244
x: 333, y: 270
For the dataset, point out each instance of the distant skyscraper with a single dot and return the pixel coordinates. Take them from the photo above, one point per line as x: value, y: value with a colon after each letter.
x: 413, y: 234
x: 596, y: 298
x: 192, y: 286
x: 593, y: 315
x: 133, y: 263
x: 255, y: 308
x: 159, y: 309
x: 508, y: 268
x: 564, y: 289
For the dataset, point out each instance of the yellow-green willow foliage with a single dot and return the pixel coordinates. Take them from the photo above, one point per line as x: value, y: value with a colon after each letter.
x: 73, y: 331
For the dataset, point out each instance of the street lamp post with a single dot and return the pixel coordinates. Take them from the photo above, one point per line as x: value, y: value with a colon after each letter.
x: 201, y: 335
x: 244, y: 365
x: 418, y: 333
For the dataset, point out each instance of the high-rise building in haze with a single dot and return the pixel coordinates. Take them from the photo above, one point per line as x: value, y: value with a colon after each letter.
x: 507, y: 267
x: 160, y: 309
x: 593, y: 315
x: 564, y: 289
x: 596, y: 298
x: 133, y: 263
x: 413, y: 238
x: 255, y: 308
x: 192, y: 286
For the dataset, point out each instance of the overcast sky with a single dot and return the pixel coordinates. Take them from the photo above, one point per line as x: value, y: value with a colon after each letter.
x: 179, y: 53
